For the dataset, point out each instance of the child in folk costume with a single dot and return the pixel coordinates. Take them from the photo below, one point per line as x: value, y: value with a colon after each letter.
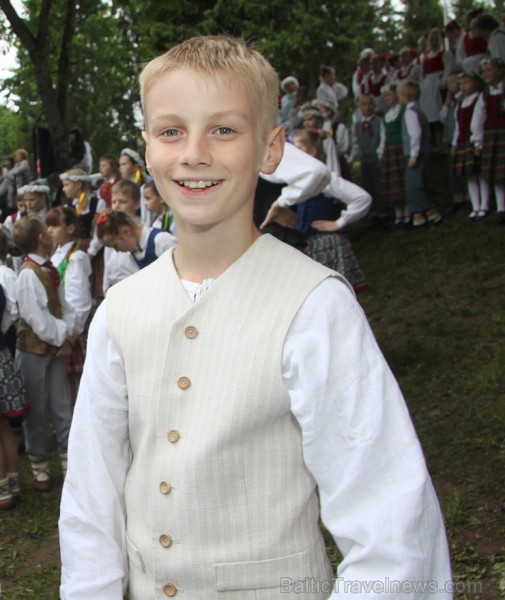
x: 338, y: 131
x: 76, y: 187
x: 409, y: 69
x: 36, y: 197
x: 116, y: 229
x: 436, y: 66
x: 74, y: 268
x: 132, y: 166
x: 488, y: 136
x: 45, y: 332
x: 465, y: 163
x: 368, y: 139
x: 457, y: 182
x: 313, y: 118
x: 12, y: 395
x: 109, y: 170
x: 392, y: 161
x: 162, y: 218
x: 230, y: 371
x: 417, y: 151
x: 21, y: 211
x: 325, y: 245
x: 375, y: 80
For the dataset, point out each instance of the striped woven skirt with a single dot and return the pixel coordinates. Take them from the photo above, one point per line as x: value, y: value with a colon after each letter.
x: 465, y: 162
x: 333, y: 250
x: 493, y: 155
x: 392, y: 175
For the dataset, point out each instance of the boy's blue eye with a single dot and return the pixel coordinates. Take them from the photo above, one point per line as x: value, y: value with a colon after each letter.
x: 170, y: 132
x: 225, y: 130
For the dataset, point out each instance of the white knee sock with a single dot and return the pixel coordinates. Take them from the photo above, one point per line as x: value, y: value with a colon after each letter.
x: 485, y: 192
x: 499, y: 192
x: 474, y: 191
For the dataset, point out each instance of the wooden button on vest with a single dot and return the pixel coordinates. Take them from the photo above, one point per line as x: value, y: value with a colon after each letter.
x: 170, y: 590
x: 191, y: 332
x: 165, y: 540
x: 173, y: 436
x: 165, y: 487
x: 184, y: 383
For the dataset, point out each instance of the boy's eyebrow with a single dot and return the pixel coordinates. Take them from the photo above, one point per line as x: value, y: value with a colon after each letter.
x: 217, y: 115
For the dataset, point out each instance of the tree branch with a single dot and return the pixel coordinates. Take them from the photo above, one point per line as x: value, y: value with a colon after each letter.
x: 64, y: 57
x: 18, y: 26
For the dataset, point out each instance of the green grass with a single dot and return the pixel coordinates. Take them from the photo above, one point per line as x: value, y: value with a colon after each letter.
x: 437, y: 307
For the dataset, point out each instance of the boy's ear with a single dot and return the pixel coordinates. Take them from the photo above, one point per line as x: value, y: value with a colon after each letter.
x: 274, y: 150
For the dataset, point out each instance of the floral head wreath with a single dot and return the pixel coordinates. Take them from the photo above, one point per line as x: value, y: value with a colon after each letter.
x: 135, y: 156
x: 34, y: 188
x: 311, y: 112
x: 325, y: 103
x: 75, y: 178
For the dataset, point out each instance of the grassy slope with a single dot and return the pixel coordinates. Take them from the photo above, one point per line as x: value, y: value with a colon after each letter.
x: 436, y: 305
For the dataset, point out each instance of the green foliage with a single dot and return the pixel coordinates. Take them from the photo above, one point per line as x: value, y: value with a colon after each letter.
x: 419, y: 17
x: 13, y: 132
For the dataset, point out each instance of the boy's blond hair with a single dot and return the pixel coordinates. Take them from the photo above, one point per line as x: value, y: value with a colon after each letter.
x: 224, y: 55
x: 411, y: 90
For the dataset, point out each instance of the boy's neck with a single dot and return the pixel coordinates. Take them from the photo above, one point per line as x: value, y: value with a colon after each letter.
x: 208, y: 254
x: 41, y: 251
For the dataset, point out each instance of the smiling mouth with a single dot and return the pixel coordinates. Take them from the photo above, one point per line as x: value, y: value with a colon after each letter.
x: 200, y: 184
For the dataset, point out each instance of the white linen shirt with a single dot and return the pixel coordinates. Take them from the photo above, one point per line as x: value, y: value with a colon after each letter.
x: 8, y: 283
x: 414, y: 130
x: 32, y: 302
x: 377, y: 499
x: 77, y: 285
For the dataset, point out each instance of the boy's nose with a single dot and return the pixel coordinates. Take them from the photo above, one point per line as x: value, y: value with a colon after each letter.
x: 196, y: 151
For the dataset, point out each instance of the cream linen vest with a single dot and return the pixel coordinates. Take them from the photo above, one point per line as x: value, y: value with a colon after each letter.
x: 219, y: 502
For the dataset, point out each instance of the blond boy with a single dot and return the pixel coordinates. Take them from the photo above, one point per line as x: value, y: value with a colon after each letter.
x: 229, y: 380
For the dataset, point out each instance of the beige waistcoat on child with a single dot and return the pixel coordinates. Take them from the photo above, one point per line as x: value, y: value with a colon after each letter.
x: 219, y: 501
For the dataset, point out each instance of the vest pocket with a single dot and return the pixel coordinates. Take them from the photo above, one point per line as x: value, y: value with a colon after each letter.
x: 260, y: 574
x: 134, y: 557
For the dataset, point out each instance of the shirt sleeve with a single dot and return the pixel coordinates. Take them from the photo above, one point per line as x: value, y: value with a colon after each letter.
x: 33, y: 308
x: 414, y: 131
x: 359, y: 443
x: 477, y: 123
x: 304, y: 175
x: 78, y: 288
x: 356, y: 199
x: 8, y: 283
x: 92, y: 521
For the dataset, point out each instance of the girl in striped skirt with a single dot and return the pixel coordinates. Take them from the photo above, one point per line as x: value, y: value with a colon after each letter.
x: 488, y: 136
x: 465, y: 163
x: 392, y: 171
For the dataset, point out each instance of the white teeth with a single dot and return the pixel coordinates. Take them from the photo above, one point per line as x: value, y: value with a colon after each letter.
x: 193, y: 185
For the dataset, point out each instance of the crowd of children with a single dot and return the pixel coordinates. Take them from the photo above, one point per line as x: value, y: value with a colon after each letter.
x: 98, y: 230
x: 444, y: 97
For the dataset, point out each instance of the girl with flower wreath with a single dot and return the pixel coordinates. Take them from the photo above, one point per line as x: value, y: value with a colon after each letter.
x: 74, y: 268
x: 76, y: 188
x: 132, y: 166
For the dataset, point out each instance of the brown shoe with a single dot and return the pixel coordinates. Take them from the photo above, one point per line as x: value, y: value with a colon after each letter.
x: 7, y: 503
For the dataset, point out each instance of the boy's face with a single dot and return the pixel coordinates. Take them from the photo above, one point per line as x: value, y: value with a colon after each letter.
x: 205, y: 148
x: 402, y: 97
x: 21, y: 204
x: 34, y: 202
x: 120, y: 201
x: 367, y: 106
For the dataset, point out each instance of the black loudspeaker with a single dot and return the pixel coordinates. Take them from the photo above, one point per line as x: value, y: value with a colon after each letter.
x: 43, y: 152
